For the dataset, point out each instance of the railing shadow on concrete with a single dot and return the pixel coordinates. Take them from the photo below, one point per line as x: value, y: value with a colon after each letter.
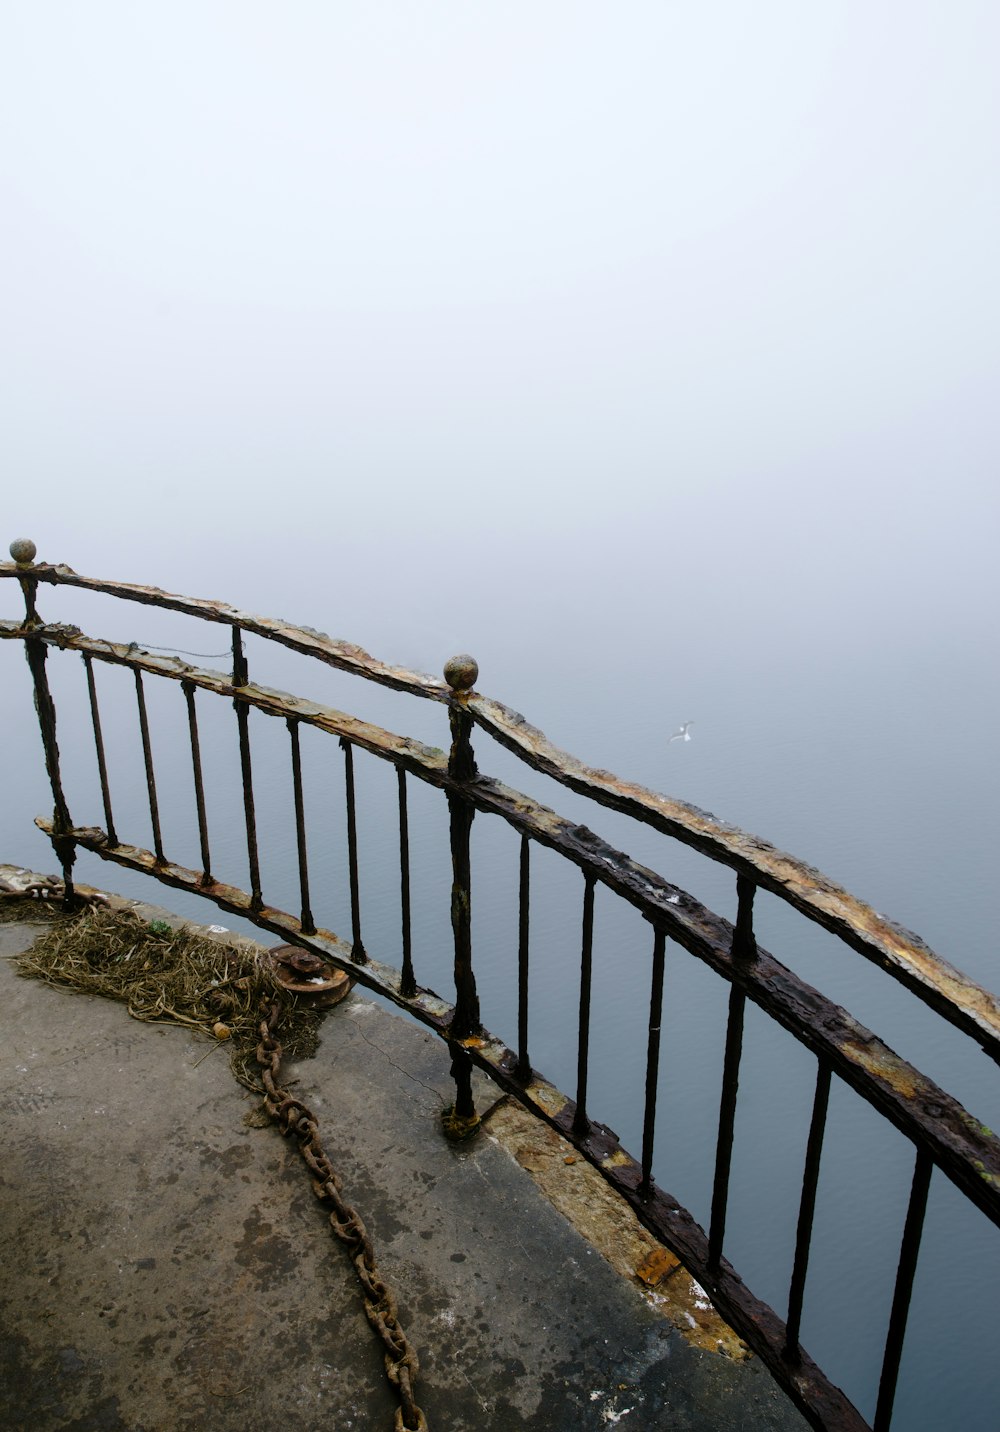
x: 943, y: 1134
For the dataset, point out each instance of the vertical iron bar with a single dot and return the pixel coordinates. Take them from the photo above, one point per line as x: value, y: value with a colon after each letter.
x: 102, y: 765
x: 908, y: 1253
x: 24, y: 551
x: 744, y: 947
x: 460, y: 673
x: 199, y: 788
x: 305, y: 919
x: 807, y: 1209
x: 407, y: 981
x: 461, y: 1072
x: 147, y: 756
x: 744, y: 942
x: 581, y: 1123
x: 249, y: 815
x: 29, y: 586
x: 241, y: 675
x: 358, y: 953
x: 727, y: 1123
x: 653, y: 1058
x: 524, y: 902
x: 466, y: 1017
x: 241, y: 678
x: 62, y: 825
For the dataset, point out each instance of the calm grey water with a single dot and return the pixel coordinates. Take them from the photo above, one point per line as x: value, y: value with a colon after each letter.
x: 651, y: 354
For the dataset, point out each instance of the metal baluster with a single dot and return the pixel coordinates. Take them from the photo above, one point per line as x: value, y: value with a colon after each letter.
x: 727, y: 1122
x: 240, y: 679
x: 147, y: 756
x: 240, y: 672
x: 23, y: 552
x: 744, y: 947
x: 358, y: 954
x: 581, y: 1123
x: 199, y: 788
x: 807, y: 1209
x: 305, y: 919
x: 466, y: 1019
x: 744, y: 941
x: 463, y: 1117
x: 102, y: 765
x: 407, y: 981
x: 524, y: 898
x: 461, y: 673
x: 653, y: 1058
x: 908, y: 1254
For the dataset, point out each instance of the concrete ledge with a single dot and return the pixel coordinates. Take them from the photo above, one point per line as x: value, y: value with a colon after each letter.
x: 164, y: 1266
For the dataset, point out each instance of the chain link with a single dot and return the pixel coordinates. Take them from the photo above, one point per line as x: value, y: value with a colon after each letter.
x: 294, y: 1117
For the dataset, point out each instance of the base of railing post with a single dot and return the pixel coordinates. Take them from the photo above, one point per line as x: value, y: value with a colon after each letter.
x: 66, y: 851
x: 459, y: 1121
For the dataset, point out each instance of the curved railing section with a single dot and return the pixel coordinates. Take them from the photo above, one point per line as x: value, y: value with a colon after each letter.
x: 943, y: 1134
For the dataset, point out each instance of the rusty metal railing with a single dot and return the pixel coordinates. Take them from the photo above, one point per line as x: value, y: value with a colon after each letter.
x: 943, y: 1134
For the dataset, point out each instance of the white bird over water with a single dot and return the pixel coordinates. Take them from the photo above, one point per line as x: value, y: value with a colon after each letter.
x: 684, y: 734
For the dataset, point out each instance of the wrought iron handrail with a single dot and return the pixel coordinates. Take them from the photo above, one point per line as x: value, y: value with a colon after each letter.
x: 944, y: 1133
x: 901, y: 953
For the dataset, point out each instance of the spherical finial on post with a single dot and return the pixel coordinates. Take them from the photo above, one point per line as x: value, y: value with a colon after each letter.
x: 461, y: 672
x: 23, y: 550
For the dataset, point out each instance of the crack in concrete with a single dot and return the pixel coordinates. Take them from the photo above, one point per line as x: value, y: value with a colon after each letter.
x: 405, y: 1072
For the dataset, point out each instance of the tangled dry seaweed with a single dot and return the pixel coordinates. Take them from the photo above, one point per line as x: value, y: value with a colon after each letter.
x: 173, y: 976
x: 34, y: 912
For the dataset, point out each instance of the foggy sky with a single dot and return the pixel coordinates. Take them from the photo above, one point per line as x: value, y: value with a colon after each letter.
x: 649, y: 351
x: 638, y: 347
x: 657, y: 274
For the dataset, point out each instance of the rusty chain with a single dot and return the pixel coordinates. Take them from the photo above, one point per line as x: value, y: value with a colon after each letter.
x: 294, y: 1117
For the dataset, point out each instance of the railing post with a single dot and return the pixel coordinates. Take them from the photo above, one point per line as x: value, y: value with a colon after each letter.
x: 744, y: 940
x: 358, y: 952
x: 653, y: 1058
x: 807, y: 1210
x: 461, y: 673
x: 23, y: 552
x: 147, y: 757
x: 407, y: 979
x: 199, y: 786
x: 908, y: 1253
x: 744, y: 948
x: 305, y: 916
x: 102, y: 765
x: 460, y: 1121
x: 524, y: 902
x: 581, y: 1123
x: 241, y: 678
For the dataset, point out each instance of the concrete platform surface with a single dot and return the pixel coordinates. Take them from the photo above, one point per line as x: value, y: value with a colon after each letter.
x: 164, y: 1266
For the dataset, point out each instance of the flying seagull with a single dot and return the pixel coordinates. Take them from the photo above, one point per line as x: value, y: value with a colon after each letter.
x: 684, y: 734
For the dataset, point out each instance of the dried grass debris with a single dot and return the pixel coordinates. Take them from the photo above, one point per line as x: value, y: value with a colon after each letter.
x: 166, y: 975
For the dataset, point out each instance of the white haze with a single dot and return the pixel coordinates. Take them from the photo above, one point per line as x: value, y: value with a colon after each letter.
x: 648, y: 351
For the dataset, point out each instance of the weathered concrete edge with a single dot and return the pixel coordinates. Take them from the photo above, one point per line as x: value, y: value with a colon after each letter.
x: 568, y: 1182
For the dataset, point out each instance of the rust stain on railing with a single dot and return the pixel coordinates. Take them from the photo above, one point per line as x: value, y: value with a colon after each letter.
x: 345, y: 655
